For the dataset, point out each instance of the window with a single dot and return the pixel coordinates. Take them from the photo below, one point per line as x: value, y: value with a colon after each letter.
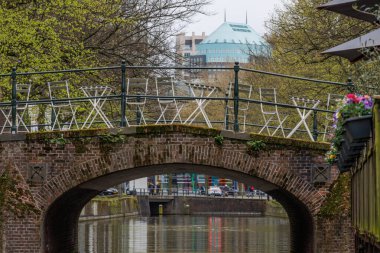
x: 239, y: 26
x: 241, y: 30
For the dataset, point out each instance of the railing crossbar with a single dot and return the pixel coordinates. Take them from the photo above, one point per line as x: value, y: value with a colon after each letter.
x: 153, y: 97
x: 296, y: 77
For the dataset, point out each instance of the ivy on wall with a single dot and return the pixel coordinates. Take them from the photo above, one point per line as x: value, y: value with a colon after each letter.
x: 337, y: 202
x: 15, y: 197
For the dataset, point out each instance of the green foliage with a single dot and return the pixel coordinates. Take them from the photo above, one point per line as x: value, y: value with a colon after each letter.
x: 45, y: 34
x: 59, y: 140
x: 112, y: 138
x: 337, y: 202
x: 256, y: 145
x: 331, y: 156
x: 81, y: 144
x: 108, y: 141
x: 13, y: 197
x: 219, y: 140
x: 60, y: 34
x: 298, y: 33
x: 162, y: 129
x: 338, y: 137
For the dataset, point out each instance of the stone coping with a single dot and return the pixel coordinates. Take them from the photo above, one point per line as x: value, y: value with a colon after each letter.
x: 162, y: 129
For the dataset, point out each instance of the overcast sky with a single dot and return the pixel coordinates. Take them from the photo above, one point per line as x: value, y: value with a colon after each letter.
x: 258, y: 12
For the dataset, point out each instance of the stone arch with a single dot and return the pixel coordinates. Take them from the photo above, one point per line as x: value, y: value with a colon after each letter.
x: 82, y: 182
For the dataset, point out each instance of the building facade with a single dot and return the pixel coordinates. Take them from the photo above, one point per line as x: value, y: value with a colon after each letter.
x: 186, y: 46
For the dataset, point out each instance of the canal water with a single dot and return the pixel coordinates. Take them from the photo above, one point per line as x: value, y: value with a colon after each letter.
x: 185, y: 234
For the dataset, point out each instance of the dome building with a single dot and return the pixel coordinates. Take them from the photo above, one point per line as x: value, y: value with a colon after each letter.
x: 231, y: 42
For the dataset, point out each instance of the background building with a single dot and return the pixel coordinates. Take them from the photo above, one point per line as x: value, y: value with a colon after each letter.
x: 186, y: 46
x: 232, y: 42
x: 229, y: 43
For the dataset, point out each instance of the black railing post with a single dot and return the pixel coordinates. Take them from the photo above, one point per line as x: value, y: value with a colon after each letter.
x: 315, y: 126
x: 236, y: 97
x: 14, y: 101
x: 123, y: 121
x: 226, y: 113
x: 350, y: 85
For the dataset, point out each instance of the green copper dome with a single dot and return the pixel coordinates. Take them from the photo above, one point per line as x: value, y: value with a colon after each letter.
x: 234, y: 33
x: 233, y: 42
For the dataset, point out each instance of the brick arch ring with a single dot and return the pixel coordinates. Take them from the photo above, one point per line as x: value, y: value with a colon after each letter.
x: 182, y: 154
x: 83, y: 181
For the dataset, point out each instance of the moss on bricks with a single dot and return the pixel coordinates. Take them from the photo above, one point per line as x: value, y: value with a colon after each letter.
x: 156, y: 130
x: 296, y: 143
x: 161, y: 129
x: 80, y: 133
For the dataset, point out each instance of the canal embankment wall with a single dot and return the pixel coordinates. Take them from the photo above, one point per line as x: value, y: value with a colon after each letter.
x: 274, y: 209
x: 110, y: 207
x: 209, y: 206
x: 115, y: 206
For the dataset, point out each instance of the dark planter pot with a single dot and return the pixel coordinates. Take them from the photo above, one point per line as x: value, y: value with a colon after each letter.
x: 343, y: 164
x: 349, y: 155
x: 354, y: 146
x: 352, y: 150
x: 358, y: 129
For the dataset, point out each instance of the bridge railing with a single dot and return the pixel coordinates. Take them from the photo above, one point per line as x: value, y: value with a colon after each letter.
x: 198, y: 103
x: 172, y: 192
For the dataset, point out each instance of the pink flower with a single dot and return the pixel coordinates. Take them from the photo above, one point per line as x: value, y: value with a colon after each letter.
x: 352, y: 98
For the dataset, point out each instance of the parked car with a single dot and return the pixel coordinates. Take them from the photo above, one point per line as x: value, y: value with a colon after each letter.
x: 109, y: 192
x: 228, y: 191
x: 215, y: 191
x: 202, y: 190
x: 131, y: 192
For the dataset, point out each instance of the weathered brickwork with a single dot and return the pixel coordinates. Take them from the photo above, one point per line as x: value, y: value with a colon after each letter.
x: 84, y: 164
x: 340, y: 229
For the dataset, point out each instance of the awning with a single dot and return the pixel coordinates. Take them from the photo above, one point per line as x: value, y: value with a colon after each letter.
x: 352, y: 8
x: 353, y: 49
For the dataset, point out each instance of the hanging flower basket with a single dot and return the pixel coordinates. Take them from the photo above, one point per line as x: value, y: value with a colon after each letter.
x: 358, y: 129
x: 353, y: 128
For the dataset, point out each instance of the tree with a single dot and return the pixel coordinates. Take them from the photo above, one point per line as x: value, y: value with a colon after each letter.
x: 38, y: 35
x: 299, y: 33
x: 44, y: 34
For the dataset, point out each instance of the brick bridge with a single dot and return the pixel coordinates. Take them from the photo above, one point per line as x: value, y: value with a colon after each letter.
x: 48, y: 177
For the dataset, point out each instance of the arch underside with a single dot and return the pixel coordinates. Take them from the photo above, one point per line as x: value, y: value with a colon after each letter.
x: 61, y: 217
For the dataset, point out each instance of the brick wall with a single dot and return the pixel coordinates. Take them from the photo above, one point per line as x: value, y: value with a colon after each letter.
x: 335, y: 235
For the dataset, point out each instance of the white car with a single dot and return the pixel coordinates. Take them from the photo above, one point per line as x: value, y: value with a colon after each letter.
x: 109, y: 192
x: 214, y: 190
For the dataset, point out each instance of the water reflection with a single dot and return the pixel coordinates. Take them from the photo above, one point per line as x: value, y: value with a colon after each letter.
x: 185, y: 234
